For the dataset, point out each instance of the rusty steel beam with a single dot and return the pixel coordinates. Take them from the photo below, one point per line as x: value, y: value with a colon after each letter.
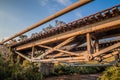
x: 65, y: 10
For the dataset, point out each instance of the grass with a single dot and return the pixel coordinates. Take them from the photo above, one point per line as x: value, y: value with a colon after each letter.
x: 111, y: 73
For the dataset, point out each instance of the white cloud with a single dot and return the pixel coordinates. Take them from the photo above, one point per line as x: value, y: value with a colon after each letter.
x: 43, y: 2
x: 79, y: 15
x: 64, y: 2
x: 51, y: 7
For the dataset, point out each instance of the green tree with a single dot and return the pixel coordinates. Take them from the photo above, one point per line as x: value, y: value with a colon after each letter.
x: 22, y: 37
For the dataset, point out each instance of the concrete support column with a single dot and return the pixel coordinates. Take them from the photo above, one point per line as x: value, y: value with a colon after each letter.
x: 46, y: 68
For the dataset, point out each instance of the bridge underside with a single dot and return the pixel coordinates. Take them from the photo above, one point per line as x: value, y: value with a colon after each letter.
x: 79, y: 45
x: 82, y: 44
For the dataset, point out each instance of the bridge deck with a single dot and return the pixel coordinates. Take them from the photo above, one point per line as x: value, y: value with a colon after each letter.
x: 99, y: 22
x: 96, y: 27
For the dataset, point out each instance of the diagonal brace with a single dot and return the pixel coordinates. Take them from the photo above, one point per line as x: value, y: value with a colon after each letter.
x: 56, y: 47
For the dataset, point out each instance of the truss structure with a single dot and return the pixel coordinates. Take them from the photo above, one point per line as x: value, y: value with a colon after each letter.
x: 78, y: 41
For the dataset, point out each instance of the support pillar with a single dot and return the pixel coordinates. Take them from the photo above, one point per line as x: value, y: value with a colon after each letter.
x: 96, y: 45
x: 46, y: 68
x: 88, y: 37
x: 89, y: 46
x: 32, y: 55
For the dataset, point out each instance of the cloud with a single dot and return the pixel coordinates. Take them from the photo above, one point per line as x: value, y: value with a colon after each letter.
x: 64, y: 2
x: 79, y: 15
x: 50, y: 5
x: 43, y: 2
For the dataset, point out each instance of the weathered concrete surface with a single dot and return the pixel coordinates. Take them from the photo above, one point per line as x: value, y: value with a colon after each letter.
x: 46, y: 68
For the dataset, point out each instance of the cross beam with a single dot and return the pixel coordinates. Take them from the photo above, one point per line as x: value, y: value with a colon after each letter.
x: 56, y: 47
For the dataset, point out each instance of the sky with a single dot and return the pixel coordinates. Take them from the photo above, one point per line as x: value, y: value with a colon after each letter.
x: 17, y: 15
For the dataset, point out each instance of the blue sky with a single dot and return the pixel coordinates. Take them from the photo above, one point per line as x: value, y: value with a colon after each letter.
x: 16, y: 15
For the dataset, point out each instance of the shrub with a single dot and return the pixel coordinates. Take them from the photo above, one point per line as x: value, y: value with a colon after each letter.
x: 111, y: 73
x: 63, y: 69
x: 10, y: 70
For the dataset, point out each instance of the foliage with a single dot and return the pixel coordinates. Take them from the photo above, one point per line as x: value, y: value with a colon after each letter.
x: 11, y: 70
x: 48, y: 28
x: 63, y: 69
x: 111, y: 73
x: 22, y: 37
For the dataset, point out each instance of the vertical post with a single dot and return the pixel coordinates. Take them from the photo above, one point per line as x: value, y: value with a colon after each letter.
x: 88, y: 37
x: 96, y: 45
x: 89, y: 47
x: 32, y: 55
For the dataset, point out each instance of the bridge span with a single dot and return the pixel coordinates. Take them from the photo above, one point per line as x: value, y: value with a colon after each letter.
x: 77, y: 41
x: 80, y: 41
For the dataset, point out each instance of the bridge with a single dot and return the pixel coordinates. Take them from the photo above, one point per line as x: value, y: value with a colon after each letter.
x: 79, y: 41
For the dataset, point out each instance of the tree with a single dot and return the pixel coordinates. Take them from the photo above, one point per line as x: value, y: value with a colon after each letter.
x: 59, y: 23
x: 22, y: 37
x: 48, y: 28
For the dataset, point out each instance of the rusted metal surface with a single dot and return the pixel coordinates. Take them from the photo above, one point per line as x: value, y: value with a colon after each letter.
x: 66, y: 10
